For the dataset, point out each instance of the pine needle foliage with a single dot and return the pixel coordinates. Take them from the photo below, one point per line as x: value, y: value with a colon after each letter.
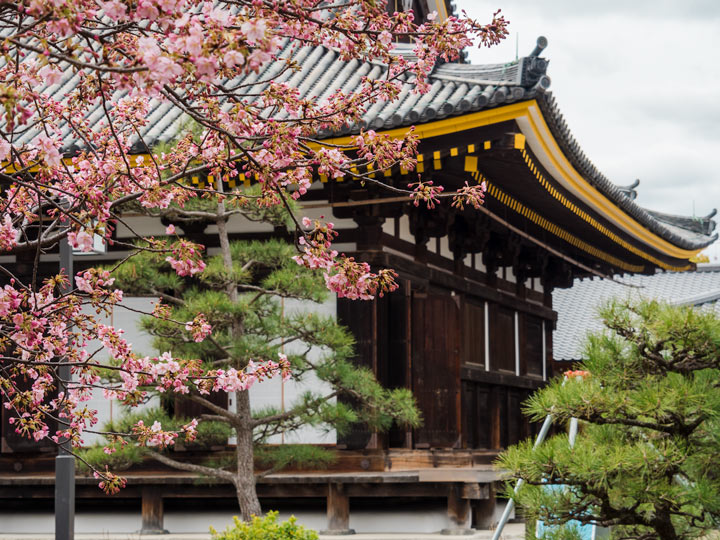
x: 645, y: 458
x: 257, y: 327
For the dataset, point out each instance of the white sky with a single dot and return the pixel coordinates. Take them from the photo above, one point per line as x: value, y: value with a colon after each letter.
x: 638, y: 82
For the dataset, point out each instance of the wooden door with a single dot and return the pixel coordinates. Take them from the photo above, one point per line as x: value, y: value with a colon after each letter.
x: 361, y: 319
x: 436, y: 369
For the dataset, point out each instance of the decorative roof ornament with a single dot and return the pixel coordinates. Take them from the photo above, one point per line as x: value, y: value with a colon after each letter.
x: 630, y: 191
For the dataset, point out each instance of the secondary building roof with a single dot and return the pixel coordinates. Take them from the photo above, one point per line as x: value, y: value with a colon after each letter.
x: 577, y: 306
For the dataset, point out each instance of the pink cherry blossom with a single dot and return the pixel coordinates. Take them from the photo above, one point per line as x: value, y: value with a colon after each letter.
x: 199, y: 328
x: 4, y: 149
x: 8, y: 234
x: 233, y: 58
x: 48, y: 150
x: 50, y: 74
x: 81, y: 240
x: 254, y: 30
x: 115, y: 10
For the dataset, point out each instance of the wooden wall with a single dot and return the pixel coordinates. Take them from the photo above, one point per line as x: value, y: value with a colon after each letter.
x: 469, y: 388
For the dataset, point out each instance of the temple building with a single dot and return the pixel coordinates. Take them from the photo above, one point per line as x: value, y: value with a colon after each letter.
x: 470, y: 331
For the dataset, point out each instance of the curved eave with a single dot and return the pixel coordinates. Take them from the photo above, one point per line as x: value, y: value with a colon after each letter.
x: 541, y: 141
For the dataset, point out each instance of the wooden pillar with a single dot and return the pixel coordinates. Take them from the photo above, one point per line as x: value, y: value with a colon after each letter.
x: 484, y: 511
x: 338, y: 510
x: 459, y: 514
x: 152, y: 511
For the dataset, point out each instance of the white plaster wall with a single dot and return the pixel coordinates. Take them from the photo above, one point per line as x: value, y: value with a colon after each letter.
x: 272, y: 392
x: 141, y: 225
x: 324, y: 213
x: 261, y: 395
x: 388, y: 226
x: 445, y: 248
x: 389, y: 520
x: 405, y: 233
x: 126, y: 319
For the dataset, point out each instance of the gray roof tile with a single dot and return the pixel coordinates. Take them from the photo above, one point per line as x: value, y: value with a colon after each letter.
x: 577, y: 306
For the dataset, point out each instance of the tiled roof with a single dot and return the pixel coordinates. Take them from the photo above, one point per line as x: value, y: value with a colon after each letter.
x: 577, y: 306
x: 456, y: 89
x: 684, y: 232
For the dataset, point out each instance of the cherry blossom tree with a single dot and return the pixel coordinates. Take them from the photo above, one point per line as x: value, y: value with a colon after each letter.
x: 77, y: 81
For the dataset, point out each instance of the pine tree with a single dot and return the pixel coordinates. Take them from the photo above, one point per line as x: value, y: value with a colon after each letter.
x: 645, y: 458
x: 240, y: 292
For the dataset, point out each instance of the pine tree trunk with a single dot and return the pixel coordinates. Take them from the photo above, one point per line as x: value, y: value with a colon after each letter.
x: 662, y: 523
x: 245, y: 476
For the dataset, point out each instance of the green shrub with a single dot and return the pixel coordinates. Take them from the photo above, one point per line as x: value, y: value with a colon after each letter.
x: 121, y: 460
x: 265, y: 528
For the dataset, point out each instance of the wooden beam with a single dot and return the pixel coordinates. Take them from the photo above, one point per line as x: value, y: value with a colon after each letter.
x: 469, y: 475
x: 458, y: 509
x: 152, y: 511
x: 484, y: 511
x: 338, y: 510
x: 478, y: 374
x: 476, y: 491
x: 394, y: 490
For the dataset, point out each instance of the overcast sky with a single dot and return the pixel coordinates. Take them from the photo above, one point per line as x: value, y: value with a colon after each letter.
x: 639, y: 85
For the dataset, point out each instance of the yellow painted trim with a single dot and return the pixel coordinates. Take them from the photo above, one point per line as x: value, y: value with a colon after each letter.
x: 441, y: 10
x: 522, y: 109
x: 588, y: 218
x: 596, y: 199
x: 449, y: 125
x: 471, y: 163
x: 520, y: 208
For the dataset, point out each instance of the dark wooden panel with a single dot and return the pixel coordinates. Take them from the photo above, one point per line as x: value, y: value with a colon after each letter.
x: 469, y: 415
x: 502, y: 342
x: 531, y: 338
x: 398, y: 354
x: 498, y: 416
x: 483, y: 426
x: 360, y: 318
x: 477, y: 415
x: 436, y: 369
x: 516, y: 422
x: 476, y: 288
x: 473, y: 333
